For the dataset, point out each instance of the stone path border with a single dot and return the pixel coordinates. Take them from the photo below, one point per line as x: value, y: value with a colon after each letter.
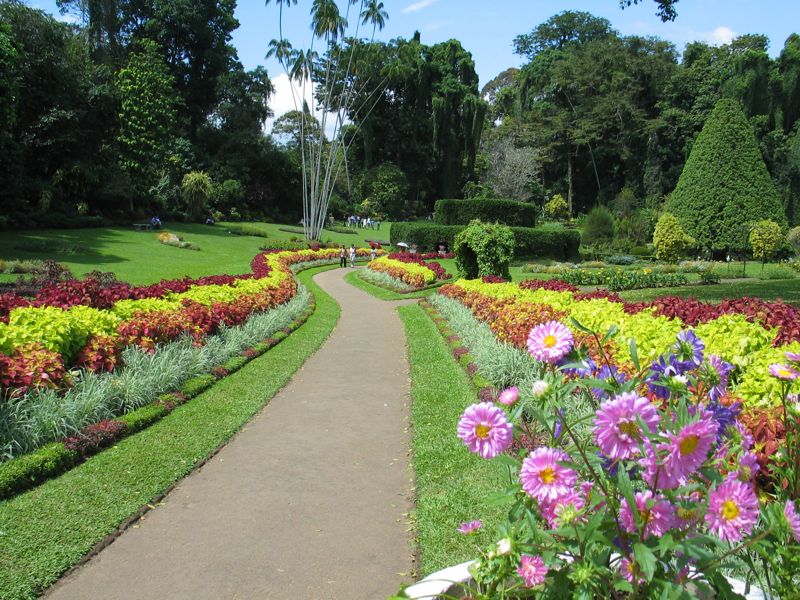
x: 309, y: 501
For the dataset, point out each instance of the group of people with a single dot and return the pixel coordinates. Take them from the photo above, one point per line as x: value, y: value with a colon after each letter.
x: 344, y: 254
x: 363, y: 222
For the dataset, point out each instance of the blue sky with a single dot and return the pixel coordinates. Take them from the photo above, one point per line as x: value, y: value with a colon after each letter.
x: 487, y: 28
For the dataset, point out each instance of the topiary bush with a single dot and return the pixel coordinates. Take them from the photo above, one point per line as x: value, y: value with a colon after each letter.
x: 538, y: 242
x: 725, y: 186
x: 793, y: 237
x: 489, y: 210
x: 483, y: 249
x: 599, y: 227
x: 670, y: 240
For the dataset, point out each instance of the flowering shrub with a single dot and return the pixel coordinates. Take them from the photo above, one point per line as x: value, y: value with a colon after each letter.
x: 421, y: 259
x: 652, y: 495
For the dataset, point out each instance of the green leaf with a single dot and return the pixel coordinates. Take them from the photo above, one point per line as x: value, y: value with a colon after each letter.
x: 645, y: 559
x: 634, y: 354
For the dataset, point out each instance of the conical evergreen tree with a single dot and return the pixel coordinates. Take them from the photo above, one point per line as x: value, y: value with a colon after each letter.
x: 725, y: 187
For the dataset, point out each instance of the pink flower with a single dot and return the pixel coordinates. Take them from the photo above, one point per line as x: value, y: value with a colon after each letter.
x: 656, y: 520
x: 543, y: 478
x: 470, y: 527
x: 564, y: 510
x: 689, y: 449
x: 550, y: 342
x: 793, y: 357
x: 630, y: 571
x: 485, y: 430
x: 509, y: 396
x: 532, y: 569
x: 732, y: 510
x: 792, y: 519
x: 617, y: 430
x: 748, y: 466
x: 783, y: 372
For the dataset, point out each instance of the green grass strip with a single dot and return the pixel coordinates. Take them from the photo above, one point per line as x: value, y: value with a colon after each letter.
x: 787, y: 290
x: 452, y: 484
x: 383, y: 294
x: 47, y: 530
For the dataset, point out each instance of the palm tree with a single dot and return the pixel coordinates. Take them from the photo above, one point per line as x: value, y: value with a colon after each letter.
x: 375, y: 14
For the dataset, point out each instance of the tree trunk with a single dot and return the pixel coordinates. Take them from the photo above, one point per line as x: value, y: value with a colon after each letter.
x: 569, y: 181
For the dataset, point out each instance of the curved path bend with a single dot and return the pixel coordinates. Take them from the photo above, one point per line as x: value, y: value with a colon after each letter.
x: 309, y: 501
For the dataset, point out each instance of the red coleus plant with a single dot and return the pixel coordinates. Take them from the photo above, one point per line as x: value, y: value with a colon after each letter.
x: 32, y: 366
x: 411, y: 257
x: 94, y: 437
x: 99, y: 354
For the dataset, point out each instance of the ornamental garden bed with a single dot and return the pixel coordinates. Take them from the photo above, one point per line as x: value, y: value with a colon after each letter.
x: 406, y: 272
x: 111, y: 360
x: 577, y: 464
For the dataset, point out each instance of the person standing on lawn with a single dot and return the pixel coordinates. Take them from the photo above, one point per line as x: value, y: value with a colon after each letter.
x: 352, y: 255
x: 342, y: 257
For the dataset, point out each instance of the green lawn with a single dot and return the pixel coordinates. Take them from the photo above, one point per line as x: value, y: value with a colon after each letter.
x: 787, y: 290
x: 139, y: 258
x: 452, y: 484
x: 47, y: 530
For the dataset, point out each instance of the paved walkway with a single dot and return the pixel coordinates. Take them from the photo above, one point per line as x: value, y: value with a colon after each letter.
x: 309, y: 501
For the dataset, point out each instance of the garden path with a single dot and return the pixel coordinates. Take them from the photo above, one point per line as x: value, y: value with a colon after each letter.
x: 308, y: 501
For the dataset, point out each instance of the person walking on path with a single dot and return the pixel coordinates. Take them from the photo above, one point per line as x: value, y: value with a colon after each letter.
x: 372, y: 253
x: 352, y: 255
x: 342, y: 257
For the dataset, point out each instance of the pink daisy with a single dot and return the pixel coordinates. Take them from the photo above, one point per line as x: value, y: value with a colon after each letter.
x: 550, y: 342
x: 690, y: 447
x: 470, y: 527
x: 509, y: 396
x: 783, y: 372
x: 732, y: 510
x: 793, y: 357
x: 748, y: 466
x: 564, y: 510
x: 485, y: 430
x: 532, y: 569
x: 617, y: 429
x: 630, y: 571
x: 543, y: 478
x: 792, y: 519
x: 657, y: 520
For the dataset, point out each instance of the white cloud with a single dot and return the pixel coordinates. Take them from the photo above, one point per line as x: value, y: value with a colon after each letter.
x: 720, y: 36
x: 436, y: 25
x: 417, y: 6
x: 289, y: 96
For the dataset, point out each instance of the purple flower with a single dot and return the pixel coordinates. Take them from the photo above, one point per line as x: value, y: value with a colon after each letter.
x: 550, y: 342
x: 748, y: 467
x: 725, y: 416
x: 608, y: 373
x: 532, y: 570
x: 618, y: 425
x: 793, y: 357
x: 584, y: 367
x: 783, y: 372
x: 685, y: 452
x: 656, y: 514
x: 688, y: 350
x: 544, y: 478
x: 485, y: 430
x: 716, y: 374
x: 630, y: 571
x: 564, y: 510
x: 470, y: 527
x: 509, y: 396
x: 732, y: 510
x: 792, y: 519
x: 661, y: 370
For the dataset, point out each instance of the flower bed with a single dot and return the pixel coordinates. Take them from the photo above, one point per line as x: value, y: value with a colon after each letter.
x: 748, y: 333
x: 410, y: 268
x: 652, y: 487
x: 624, y: 279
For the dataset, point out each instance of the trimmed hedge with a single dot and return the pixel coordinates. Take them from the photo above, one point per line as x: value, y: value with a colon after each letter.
x: 550, y: 242
x: 31, y: 469
x: 506, y: 212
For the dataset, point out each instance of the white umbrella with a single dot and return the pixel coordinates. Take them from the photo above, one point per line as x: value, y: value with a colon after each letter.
x: 401, y: 245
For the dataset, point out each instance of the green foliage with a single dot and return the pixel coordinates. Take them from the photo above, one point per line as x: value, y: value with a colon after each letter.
x: 386, y: 188
x: 27, y: 471
x: 793, y: 237
x: 724, y: 186
x: 552, y: 242
x: 766, y: 238
x: 227, y: 195
x: 490, y: 210
x: 234, y: 363
x: 556, y: 208
x: 670, y: 240
x: 618, y: 279
x: 598, y: 228
x: 484, y: 249
x: 196, y: 188
x: 147, y: 115
x: 246, y: 229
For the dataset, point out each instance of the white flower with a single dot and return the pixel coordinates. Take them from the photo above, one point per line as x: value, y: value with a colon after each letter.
x: 682, y: 379
x: 504, y: 546
x: 540, y: 388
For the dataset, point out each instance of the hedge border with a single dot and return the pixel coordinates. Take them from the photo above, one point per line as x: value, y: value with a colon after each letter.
x: 500, y: 210
x: 31, y: 470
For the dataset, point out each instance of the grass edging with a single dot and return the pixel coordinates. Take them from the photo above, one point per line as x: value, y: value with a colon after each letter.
x: 94, y: 501
x: 382, y: 293
x: 452, y: 484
